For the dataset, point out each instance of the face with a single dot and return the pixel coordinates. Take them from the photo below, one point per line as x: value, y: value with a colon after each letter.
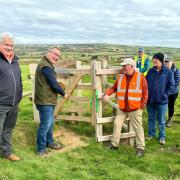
x: 140, y: 53
x: 157, y: 63
x: 128, y: 69
x: 54, y: 55
x: 168, y: 63
x: 7, y: 46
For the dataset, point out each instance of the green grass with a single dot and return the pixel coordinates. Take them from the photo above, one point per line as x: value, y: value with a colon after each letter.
x: 94, y: 161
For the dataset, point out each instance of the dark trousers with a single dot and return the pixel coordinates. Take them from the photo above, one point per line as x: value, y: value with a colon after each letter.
x: 8, y: 117
x: 172, y: 98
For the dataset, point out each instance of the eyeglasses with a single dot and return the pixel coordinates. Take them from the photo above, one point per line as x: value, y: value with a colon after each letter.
x: 59, y: 57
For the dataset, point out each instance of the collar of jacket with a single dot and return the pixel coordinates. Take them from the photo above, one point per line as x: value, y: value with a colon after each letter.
x: 162, y: 68
x: 46, y: 59
x: 173, y: 67
x: 15, y: 58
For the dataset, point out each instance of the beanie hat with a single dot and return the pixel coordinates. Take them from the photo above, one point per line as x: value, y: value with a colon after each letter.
x: 159, y: 56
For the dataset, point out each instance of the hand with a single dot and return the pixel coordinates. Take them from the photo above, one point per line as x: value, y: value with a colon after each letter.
x: 65, y: 96
x: 106, y: 98
x: 101, y: 96
x: 62, y: 84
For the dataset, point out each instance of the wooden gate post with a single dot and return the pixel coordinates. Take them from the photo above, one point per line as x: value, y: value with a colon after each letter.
x: 96, y: 85
x: 104, y: 77
x: 78, y: 66
x: 32, y: 74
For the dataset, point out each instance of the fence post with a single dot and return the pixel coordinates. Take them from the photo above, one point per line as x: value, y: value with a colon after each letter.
x: 104, y: 77
x: 78, y: 66
x: 96, y: 85
x: 32, y: 74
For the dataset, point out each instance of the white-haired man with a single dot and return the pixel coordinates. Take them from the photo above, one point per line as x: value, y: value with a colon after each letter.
x: 132, y: 93
x: 10, y: 94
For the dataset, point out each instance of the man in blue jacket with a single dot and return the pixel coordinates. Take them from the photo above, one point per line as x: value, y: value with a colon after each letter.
x: 10, y: 94
x: 160, y: 84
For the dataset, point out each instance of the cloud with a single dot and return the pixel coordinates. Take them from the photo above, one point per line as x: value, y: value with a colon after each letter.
x: 133, y: 22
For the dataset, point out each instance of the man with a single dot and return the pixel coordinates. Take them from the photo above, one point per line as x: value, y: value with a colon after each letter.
x: 142, y: 61
x: 160, y: 84
x: 132, y: 93
x: 174, y: 94
x: 10, y: 94
x: 46, y: 94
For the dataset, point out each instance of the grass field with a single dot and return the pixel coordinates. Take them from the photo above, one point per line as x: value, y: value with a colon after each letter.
x: 94, y: 161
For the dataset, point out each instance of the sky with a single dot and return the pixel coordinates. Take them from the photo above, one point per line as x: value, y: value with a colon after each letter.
x: 128, y: 22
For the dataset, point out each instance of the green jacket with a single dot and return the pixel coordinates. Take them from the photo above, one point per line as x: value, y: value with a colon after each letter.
x: 44, y: 94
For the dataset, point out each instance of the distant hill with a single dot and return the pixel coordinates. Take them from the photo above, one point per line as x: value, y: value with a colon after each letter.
x: 86, y: 52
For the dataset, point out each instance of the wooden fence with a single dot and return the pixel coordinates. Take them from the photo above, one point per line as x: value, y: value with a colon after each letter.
x: 75, y: 108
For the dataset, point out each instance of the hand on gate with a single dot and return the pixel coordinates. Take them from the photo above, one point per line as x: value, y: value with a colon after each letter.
x: 101, y: 95
x: 106, y: 98
x: 65, y: 96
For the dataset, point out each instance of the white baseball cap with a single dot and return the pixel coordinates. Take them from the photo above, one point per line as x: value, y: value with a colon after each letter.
x: 128, y: 61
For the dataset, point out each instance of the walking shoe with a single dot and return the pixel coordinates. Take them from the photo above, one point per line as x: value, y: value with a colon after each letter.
x: 139, y: 152
x: 162, y: 141
x: 55, y: 146
x: 111, y: 147
x: 149, y: 138
x: 43, y: 153
x: 13, y: 157
x: 169, y: 122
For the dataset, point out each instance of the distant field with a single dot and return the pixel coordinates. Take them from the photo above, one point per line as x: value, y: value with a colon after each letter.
x: 86, y: 52
x: 178, y: 64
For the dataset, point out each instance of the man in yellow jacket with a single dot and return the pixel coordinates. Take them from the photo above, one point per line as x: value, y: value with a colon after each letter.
x: 142, y: 61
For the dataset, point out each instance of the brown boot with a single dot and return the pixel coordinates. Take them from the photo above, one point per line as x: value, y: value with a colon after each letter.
x: 55, y: 146
x: 13, y: 157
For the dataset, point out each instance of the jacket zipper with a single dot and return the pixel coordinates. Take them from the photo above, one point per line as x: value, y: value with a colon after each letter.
x: 14, y: 84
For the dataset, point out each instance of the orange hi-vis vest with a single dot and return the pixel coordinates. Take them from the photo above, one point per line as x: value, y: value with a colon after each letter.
x: 134, y: 91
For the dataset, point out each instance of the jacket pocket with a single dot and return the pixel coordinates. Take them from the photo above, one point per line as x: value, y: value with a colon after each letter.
x: 4, y: 93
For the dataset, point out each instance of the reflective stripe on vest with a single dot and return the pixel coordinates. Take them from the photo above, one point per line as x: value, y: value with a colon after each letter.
x: 142, y: 62
x: 130, y: 98
x: 134, y: 95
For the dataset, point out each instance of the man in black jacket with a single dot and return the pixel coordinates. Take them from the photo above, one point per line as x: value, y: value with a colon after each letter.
x: 10, y: 94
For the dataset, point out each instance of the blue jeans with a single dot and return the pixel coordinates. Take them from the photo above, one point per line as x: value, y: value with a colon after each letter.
x: 45, y: 130
x: 159, y: 111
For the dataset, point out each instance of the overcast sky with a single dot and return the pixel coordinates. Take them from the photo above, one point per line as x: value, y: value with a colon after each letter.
x: 131, y: 22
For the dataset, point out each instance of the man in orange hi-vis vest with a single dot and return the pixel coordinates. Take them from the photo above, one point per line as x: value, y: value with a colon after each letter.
x: 132, y: 94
